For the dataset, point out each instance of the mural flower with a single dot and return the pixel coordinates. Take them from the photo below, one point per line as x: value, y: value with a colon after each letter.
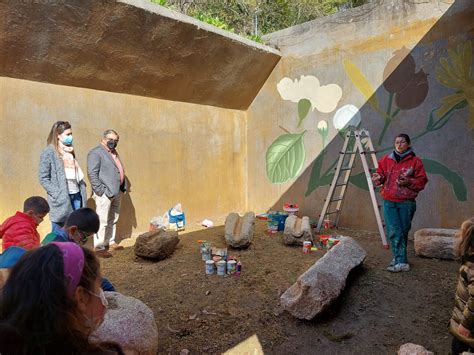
x: 323, y: 98
x: 457, y: 75
x: 323, y: 130
x: 346, y: 116
x: 401, y: 79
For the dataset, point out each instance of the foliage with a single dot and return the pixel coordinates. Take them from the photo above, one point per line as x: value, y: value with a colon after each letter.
x: 241, y: 16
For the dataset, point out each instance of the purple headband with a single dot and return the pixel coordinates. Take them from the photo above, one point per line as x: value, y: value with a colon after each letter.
x: 73, y: 258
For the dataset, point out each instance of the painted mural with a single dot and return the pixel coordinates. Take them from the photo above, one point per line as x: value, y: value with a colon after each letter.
x: 404, y: 88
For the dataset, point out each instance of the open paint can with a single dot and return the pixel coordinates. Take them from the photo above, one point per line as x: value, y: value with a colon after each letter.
x: 209, y: 267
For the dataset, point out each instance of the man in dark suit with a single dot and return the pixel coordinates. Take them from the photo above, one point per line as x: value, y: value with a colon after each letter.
x: 107, y: 177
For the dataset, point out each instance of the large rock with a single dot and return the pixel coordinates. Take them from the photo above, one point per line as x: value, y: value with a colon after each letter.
x: 297, y: 230
x: 130, y: 323
x: 413, y: 349
x: 156, y: 244
x: 239, y: 230
x: 435, y: 243
x: 322, y: 283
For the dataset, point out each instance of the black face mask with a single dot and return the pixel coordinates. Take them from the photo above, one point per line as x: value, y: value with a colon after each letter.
x: 111, y: 145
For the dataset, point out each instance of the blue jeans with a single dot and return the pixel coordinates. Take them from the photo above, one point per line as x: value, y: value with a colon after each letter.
x: 398, y: 216
x: 76, y: 200
x: 106, y: 285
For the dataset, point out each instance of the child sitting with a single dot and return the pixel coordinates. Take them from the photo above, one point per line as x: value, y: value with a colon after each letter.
x: 462, y: 321
x: 20, y: 229
x: 52, y: 302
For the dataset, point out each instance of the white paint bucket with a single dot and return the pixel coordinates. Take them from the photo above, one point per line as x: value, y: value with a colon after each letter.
x: 231, y: 264
x: 306, y: 247
x: 221, y: 267
x: 209, y: 267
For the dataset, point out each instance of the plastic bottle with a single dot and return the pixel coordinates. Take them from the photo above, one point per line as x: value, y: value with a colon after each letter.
x: 238, y: 269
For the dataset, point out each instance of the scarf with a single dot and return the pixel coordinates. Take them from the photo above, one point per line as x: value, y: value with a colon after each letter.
x: 71, y: 167
x: 399, y: 156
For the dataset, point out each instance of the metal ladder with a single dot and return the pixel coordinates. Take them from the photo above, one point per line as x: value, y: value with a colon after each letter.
x: 352, y: 145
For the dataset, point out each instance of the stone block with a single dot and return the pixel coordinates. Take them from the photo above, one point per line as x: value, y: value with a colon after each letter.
x: 156, y: 244
x: 130, y: 323
x: 323, y: 282
x: 435, y: 243
x: 413, y: 349
x: 297, y: 230
x: 239, y: 230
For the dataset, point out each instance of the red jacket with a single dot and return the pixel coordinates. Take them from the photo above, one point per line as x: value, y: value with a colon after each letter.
x: 410, y: 166
x: 19, y: 230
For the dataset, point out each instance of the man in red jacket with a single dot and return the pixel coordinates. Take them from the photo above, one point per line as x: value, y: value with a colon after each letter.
x: 20, y: 229
x: 402, y: 176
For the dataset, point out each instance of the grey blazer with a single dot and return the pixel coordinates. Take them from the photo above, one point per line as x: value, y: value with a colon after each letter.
x: 53, y: 178
x: 104, y: 174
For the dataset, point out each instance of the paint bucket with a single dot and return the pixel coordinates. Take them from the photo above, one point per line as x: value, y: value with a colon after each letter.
x: 306, y: 247
x: 272, y: 226
x: 221, y: 268
x: 231, y: 266
x: 205, y: 251
x: 279, y: 217
x: 291, y: 208
x: 209, y: 267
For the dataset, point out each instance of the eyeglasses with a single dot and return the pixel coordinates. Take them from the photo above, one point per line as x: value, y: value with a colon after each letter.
x: 84, y: 236
x: 401, y: 142
x: 101, y: 296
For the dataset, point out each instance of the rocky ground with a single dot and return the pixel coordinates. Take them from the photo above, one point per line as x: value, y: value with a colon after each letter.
x: 376, y: 313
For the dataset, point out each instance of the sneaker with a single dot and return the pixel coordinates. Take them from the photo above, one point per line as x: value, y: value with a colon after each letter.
x: 115, y: 247
x: 102, y: 253
x: 400, y: 267
x: 392, y: 263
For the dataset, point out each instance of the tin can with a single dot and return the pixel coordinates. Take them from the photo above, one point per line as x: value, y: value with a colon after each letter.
x: 231, y: 267
x: 209, y: 267
x: 238, y: 269
x: 327, y: 223
x: 306, y: 247
x: 221, y: 268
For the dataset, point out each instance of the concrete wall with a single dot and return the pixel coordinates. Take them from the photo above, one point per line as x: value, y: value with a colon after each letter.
x: 350, y: 59
x: 173, y: 152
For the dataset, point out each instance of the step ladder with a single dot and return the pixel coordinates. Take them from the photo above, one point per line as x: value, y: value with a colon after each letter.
x: 352, y: 146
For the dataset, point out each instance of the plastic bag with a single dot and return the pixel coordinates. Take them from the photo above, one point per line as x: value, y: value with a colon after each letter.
x: 176, y: 218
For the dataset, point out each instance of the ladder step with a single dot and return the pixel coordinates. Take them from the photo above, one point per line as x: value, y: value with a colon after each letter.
x: 332, y: 212
x: 337, y: 199
x: 369, y: 152
x: 346, y: 168
x: 343, y: 184
x: 354, y: 152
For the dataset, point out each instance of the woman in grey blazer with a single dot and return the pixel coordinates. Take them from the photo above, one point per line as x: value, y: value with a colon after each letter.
x: 60, y: 175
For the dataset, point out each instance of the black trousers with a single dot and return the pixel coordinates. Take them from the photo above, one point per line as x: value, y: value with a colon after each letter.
x: 458, y: 347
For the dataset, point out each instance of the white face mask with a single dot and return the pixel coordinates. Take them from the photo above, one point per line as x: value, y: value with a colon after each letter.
x: 95, y: 322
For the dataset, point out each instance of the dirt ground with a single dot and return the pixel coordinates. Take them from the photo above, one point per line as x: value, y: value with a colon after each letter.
x: 377, y: 312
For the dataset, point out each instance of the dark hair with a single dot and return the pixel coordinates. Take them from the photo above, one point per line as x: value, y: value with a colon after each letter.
x: 37, y: 204
x: 85, y: 219
x: 466, y: 241
x: 404, y: 136
x: 36, y: 310
x: 58, y: 128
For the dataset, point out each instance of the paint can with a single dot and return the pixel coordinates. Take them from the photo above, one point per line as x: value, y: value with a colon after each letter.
x: 205, y: 251
x: 327, y: 224
x: 231, y: 266
x: 209, y: 267
x: 306, y: 247
x: 221, y: 267
x: 238, y: 269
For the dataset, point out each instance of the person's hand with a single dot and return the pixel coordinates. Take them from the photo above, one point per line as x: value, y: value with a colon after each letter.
x: 464, y: 331
x: 402, y: 180
x: 376, y: 179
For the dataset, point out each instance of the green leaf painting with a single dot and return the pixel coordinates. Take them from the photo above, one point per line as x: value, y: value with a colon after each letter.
x: 456, y: 181
x: 304, y: 106
x: 285, y: 157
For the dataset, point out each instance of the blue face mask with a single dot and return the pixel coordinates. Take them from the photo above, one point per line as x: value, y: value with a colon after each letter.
x: 67, y: 140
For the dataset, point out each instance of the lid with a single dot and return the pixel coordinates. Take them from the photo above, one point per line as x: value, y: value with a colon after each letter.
x: 209, y: 262
x: 232, y: 262
x: 222, y: 262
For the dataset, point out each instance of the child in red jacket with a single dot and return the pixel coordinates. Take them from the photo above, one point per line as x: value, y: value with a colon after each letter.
x: 20, y: 229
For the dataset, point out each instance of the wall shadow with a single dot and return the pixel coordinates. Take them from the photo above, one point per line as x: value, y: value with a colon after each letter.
x: 417, y: 97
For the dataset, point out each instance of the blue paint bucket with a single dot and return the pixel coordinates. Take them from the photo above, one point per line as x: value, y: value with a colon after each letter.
x: 279, y: 217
